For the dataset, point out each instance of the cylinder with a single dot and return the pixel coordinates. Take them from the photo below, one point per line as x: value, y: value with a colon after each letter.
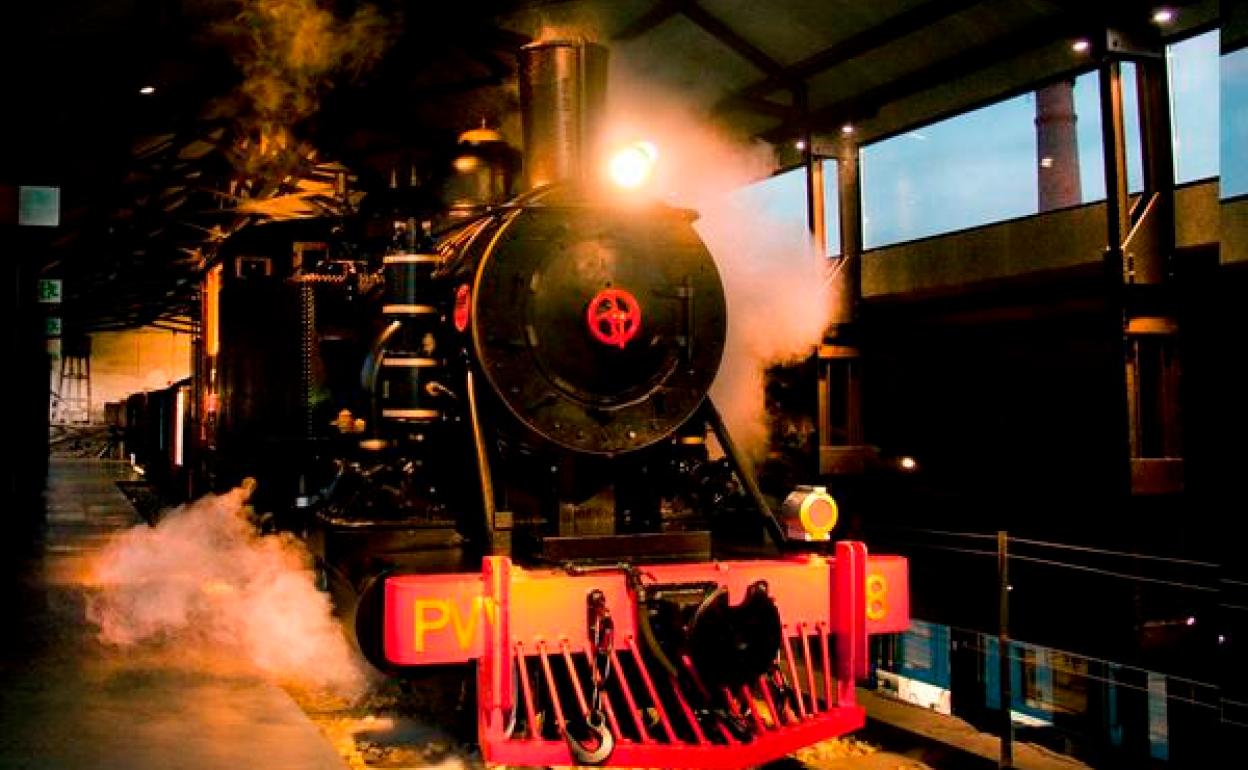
x: 562, y: 95
x: 481, y: 173
x: 407, y: 282
x: 408, y: 364
x: 1057, y: 147
x: 403, y: 388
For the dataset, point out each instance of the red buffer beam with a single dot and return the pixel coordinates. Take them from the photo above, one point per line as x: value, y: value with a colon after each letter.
x: 551, y: 695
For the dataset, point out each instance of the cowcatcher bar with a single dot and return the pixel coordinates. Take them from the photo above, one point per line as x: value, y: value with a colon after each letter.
x: 541, y: 679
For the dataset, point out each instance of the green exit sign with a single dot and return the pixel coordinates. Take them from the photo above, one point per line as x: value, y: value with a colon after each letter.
x: 50, y: 290
x: 52, y: 326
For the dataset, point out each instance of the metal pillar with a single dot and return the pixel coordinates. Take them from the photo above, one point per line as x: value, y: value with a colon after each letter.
x: 1141, y: 243
x: 842, y: 449
x: 1006, y: 758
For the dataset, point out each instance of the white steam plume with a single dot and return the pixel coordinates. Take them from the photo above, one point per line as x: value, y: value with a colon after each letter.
x: 774, y: 276
x: 290, y: 52
x: 205, y: 580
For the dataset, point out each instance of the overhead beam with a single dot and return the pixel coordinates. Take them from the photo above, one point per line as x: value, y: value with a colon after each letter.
x: 868, y: 40
x: 661, y: 12
x: 770, y: 108
x: 951, y: 69
x: 731, y: 38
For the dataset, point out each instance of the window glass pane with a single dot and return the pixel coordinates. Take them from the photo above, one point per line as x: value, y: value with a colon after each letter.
x: 1234, y: 123
x: 1088, y: 126
x: 1131, y: 109
x: 966, y: 171
x: 781, y: 199
x: 831, y: 207
x: 1193, y: 65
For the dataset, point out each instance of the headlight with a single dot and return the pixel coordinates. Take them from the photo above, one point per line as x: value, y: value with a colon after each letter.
x: 631, y: 166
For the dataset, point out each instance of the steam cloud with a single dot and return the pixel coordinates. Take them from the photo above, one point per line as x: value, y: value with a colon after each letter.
x: 773, y: 274
x: 290, y: 51
x: 206, y: 580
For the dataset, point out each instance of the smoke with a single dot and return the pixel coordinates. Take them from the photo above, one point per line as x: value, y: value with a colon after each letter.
x: 773, y: 274
x: 289, y: 52
x: 206, y: 581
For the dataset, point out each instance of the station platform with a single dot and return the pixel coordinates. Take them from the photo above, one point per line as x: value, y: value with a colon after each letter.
x: 966, y: 746
x: 68, y: 701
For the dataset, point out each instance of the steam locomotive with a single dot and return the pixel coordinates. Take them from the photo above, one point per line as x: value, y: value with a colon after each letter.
x: 525, y: 383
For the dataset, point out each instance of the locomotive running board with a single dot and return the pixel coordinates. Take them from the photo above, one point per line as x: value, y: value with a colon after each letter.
x: 536, y: 664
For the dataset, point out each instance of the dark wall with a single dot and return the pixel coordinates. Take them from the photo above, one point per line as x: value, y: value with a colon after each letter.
x: 1010, y: 397
x: 27, y: 395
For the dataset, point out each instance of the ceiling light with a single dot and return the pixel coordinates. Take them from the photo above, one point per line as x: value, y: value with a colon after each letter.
x: 147, y: 90
x: 800, y: 144
x: 1163, y: 15
x: 848, y: 128
x: 1080, y: 46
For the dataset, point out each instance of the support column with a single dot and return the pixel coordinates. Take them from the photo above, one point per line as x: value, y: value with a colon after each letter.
x: 1141, y: 243
x: 842, y: 449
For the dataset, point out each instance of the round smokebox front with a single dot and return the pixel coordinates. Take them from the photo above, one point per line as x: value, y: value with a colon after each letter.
x: 600, y: 329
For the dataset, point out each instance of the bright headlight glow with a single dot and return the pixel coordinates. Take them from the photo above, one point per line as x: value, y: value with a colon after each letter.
x: 631, y: 166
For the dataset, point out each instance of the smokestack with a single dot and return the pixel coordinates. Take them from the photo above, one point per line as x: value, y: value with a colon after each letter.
x: 1057, y: 147
x: 563, y: 88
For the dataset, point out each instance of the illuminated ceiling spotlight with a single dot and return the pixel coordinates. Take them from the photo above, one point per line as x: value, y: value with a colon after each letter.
x: 908, y: 463
x: 632, y: 166
x: 147, y: 90
x: 800, y: 144
x: 1163, y: 15
x: 1080, y: 46
x: 847, y: 129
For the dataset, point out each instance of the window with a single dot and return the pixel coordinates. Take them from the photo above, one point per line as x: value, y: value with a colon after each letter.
x: 1234, y: 123
x: 969, y: 170
x: 1193, y: 65
x: 780, y: 200
x: 981, y: 167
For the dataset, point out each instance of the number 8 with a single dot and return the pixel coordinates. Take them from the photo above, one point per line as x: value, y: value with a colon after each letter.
x: 877, y: 597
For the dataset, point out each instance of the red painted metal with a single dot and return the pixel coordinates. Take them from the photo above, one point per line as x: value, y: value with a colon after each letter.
x: 526, y: 689
x: 654, y: 693
x: 614, y: 317
x: 463, y: 307
x: 827, y: 663
x: 810, y: 669
x: 777, y: 717
x: 507, y: 618
x: 687, y: 711
x: 560, y: 720
x: 850, y: 618
x: 629, y: 700
x: 748, y: 699
x: 787, y: 653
